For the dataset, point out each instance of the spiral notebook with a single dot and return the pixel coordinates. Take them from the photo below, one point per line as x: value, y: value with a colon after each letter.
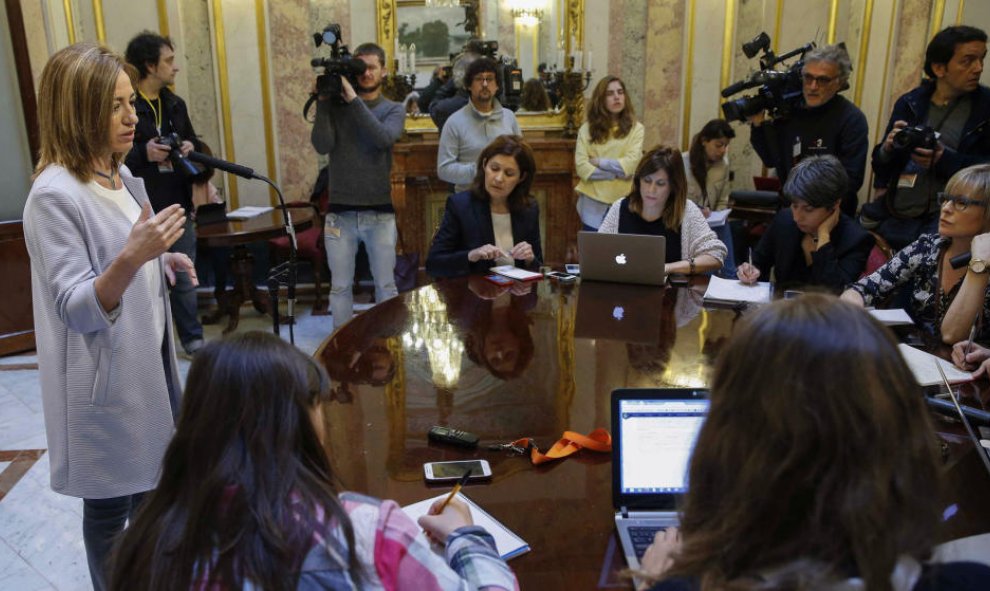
x: 508, y: 544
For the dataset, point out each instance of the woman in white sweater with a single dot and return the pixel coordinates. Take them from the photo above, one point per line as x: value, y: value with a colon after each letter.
x: 706, y: 166
x: 609, y: 145
x: 658, y: 205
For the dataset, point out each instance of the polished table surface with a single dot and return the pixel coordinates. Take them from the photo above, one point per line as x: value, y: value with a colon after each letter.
x: 474, y: 356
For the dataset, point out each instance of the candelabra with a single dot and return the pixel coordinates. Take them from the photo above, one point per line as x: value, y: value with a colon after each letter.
x: 572, y: 85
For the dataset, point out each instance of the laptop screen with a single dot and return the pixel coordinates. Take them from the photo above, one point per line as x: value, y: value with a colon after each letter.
x: 657, y: 438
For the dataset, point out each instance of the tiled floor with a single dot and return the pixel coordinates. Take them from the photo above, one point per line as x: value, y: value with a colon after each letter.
x: 41, y: 544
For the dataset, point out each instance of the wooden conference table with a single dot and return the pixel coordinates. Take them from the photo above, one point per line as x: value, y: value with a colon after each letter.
x: 535, y: 365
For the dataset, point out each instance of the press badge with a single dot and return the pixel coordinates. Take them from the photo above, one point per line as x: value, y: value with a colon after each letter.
x: 330, y: 229
x: 906, y: 181
x: 796, y: 151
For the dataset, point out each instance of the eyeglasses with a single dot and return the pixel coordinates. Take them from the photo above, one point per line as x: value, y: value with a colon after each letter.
x: 485, y: 80
x: 959, y: 203
x: 821, y: 80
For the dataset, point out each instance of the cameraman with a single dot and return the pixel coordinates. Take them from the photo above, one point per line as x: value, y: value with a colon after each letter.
x: 160, y: 112
x: 827, y: 124
x: 452, y: 95
x: 951, y: 102
x: 357, y: 130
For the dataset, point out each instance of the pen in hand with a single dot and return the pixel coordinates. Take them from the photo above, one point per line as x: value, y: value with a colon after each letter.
x: 457, y: 488
x: 750, y: 256
x: 969, y: 343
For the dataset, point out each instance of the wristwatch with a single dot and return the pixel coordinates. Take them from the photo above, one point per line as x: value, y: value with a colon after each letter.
x: 691, y: 265
x: 978, y: 266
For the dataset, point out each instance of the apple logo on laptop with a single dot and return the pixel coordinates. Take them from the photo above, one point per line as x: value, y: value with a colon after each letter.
x: 618, y: 313
x: 620, y: 259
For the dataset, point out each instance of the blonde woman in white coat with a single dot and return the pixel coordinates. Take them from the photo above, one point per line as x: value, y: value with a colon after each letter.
x: 99, y: 268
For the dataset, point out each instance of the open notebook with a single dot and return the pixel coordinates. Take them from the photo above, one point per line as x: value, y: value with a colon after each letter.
x: 509, y: 545
x: 922, y: 365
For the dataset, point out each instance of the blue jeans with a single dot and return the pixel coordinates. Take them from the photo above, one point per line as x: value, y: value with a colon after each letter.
x: 183, y: 294
x: 728, y: 270
x: 103, y: 520
x: 343, y: 232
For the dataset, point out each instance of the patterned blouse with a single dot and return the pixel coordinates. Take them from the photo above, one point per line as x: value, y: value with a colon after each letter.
x: 917, y: 266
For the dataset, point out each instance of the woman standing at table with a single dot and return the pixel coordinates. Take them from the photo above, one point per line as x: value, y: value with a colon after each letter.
x: 706, y: 167
x: 808, y: 478
x: 496, y: 221
x: 99, y: 263
x: 609, y: 145
x: 247, y: 498
x: 658, y: 205
x: 944, y: 301
x: 812, y: 243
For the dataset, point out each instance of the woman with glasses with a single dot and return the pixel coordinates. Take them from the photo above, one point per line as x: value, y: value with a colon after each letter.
x: 812, y: 243
x: 943, y: 300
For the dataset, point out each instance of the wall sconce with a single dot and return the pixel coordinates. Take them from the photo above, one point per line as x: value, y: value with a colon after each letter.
x: 528, y: 12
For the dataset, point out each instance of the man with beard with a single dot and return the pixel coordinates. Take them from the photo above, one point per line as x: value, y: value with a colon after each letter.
x: 470, y: 129
x: 357, y: 130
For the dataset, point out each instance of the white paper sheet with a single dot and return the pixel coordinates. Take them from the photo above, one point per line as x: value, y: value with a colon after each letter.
x: 509, y: 545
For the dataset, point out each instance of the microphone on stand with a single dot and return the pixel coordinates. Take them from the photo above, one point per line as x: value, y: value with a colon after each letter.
x: 287, y: 269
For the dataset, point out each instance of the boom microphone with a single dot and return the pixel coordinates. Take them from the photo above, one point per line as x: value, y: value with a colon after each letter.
x: 241, y: 171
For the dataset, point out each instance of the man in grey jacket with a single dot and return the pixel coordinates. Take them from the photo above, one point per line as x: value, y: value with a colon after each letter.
x: 357, y: 130
x: 470, y: 129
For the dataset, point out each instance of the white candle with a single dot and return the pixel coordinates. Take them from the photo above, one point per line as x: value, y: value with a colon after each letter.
x: 403, y: 56
x: 560, y: 60
x: 412, y: 58
x: 587, y: 61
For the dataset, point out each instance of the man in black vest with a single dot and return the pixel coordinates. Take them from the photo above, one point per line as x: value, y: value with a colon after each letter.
x: 160, y: 113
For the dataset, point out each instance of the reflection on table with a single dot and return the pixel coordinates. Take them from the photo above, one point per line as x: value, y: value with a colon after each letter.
x: 533, y: 360
x: 240, y: 233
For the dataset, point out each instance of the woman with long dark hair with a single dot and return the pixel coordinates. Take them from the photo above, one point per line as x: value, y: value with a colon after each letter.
x: 609, y: 145
x: 496, y: 221
x: 706, y: 166
x: 247, y: 497
x: 806, y: 478
x: 658, y: 205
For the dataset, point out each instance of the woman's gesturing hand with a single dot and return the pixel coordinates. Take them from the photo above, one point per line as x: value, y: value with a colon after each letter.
x: 152, y: 235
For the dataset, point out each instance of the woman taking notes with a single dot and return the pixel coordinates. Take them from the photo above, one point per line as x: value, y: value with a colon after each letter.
x: 706, y: 166
x: 944, y: 301
x: 99, y: 266
x: 609, y: 145
x: 247, y: 498
x: 495, y: 222
x: 658, y: 205
x: 811, y: 477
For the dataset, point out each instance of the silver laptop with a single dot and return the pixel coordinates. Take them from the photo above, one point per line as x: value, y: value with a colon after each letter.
x: 622, y: 258
x: 653, y: 436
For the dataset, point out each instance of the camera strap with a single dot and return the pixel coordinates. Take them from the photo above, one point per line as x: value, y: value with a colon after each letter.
x: 309, y: 103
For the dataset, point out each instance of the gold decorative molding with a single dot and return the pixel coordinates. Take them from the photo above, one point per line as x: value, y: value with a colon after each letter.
x: 387, y: 29
x: 960, y: 11
x: 688, y: 77
x: 228, y: 132
x: 833, y: 18
x: 864, y: 48
x: 937, y: 11
x: 727, y: 31
x: 162, y: 18
x: 574, y: 24
x: 266, y: 96
x: 778, y: 19
x: 101, y: 29
x: 70, y: 23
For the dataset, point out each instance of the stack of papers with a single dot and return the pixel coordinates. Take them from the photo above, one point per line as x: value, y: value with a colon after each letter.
x: 922, y: 365
x: 895, y: 317
x: 248, y: 212
x: 508, y: 544
x: 733, y: 291
x: 513, y: 272
x: 718, y: 218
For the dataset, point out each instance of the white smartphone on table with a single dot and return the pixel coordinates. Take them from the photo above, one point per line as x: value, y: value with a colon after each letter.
x: 452, y: 471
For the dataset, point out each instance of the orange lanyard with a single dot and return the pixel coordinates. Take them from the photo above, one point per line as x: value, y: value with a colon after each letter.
x: 598, y: 440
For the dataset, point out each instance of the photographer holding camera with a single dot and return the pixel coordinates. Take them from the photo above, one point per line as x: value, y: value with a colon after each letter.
x: 826, y: 124
x: 935, y: 130
x: 162, y: 138
x: 357, y: 129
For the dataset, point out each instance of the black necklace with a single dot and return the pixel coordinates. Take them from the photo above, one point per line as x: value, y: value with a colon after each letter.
x: 109, y: 177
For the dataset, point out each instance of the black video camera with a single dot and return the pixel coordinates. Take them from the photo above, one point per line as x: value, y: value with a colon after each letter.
x: 179, y: 162
x: 779, y: 91
x: 510, y: 80
x: 909, y: 138
x: 340, y: 64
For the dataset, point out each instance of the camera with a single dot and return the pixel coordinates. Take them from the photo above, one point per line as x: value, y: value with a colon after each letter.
x: 179, y: 162
x: 340, y: 64
x: 779, y: 91
x: 909, y: 138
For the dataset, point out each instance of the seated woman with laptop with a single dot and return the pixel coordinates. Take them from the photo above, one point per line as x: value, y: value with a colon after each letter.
x: 658, y: 206
x: 812, y: 243
x: 495, y: 222
x: 809, y: 479
x: 944, y: 301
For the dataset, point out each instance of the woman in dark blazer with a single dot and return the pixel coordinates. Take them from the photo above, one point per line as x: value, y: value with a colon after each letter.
x: 812, y: 243
x: 496, y: 222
